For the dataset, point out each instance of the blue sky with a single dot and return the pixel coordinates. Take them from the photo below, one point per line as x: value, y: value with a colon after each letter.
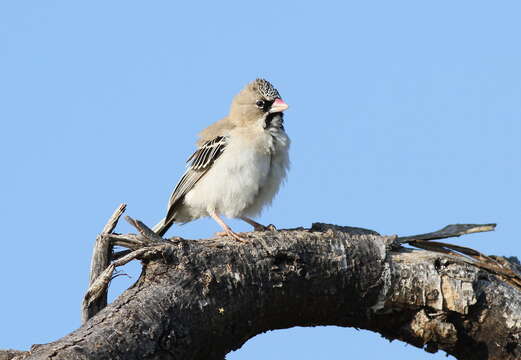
x: 405, y: 117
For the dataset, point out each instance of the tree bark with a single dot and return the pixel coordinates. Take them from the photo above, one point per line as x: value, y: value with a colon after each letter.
x: 101, y: 258
x: 202, y: 299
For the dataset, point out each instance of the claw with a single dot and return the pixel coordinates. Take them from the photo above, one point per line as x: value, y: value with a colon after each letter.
x: 260, y: 227
x: 227, y: 230
x: 231, y: 234
x: 257, y: 226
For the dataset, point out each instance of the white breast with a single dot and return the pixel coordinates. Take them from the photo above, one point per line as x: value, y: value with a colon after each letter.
x: 245, y: 178
x: 279, y: 166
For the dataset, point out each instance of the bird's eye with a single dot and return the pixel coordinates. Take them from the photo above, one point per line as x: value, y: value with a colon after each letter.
x: 260, y: 103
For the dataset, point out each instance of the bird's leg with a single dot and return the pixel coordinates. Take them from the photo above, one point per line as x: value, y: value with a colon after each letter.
x: 227, y: 230
x: 257, y: 226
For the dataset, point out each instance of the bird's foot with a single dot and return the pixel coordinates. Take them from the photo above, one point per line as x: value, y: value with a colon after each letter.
x: 257, y: 226
x: 260, y: 227
x: 227, y: 230
x: 231, y: 233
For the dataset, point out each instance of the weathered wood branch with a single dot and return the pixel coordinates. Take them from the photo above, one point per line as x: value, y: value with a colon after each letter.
x: 101, y: 258
x: 449, y: 231
x: 10, y: 354
x: 202, y: 299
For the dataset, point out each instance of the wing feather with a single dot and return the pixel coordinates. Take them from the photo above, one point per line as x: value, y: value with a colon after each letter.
x: 198, y: 165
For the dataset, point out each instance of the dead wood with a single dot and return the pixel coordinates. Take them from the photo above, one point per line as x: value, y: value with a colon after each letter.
x: 202, y: 299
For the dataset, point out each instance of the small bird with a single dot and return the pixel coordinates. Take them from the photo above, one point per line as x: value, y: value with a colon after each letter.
x: 239, y: 165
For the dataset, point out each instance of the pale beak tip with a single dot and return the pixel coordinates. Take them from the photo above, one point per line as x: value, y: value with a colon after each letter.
x: 279, y: 106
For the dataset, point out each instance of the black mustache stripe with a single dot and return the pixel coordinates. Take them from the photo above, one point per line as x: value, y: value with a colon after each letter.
x: 274, y: 120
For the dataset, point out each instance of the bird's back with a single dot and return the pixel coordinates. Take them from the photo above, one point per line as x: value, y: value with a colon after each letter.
x: 218, y: 128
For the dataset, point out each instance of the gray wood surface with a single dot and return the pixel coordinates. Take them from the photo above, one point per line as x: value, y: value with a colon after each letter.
x: 202, y: 299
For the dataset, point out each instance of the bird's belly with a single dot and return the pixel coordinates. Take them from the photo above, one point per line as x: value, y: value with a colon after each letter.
x: 277, y: 174
x: 231, y: 185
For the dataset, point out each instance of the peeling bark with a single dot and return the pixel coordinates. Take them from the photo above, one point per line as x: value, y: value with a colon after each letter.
x: 203, y: 299
x: 9, y: 354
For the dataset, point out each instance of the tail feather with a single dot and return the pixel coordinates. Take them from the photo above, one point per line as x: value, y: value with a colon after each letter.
x: 162, y: 227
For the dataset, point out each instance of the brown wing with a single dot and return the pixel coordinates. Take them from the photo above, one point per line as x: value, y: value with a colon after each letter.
x: 198, y: 164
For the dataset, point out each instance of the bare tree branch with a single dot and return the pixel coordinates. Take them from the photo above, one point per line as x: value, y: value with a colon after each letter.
x: 202, y: 299
x: 148, y: 234
x: 423, y: 241
x: 449, y: 231
x: 101, y: 257
x: 9, y: 354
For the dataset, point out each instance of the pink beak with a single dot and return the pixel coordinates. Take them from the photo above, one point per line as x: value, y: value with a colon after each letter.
x: 278, y: 106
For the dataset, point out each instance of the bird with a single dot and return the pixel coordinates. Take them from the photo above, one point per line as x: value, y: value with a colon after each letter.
x: 238, y: 166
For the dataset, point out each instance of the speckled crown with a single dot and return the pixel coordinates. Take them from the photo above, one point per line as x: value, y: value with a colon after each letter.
x: 266, y: 89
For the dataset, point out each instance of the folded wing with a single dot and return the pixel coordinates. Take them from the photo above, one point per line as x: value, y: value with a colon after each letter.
x: 198, y: 165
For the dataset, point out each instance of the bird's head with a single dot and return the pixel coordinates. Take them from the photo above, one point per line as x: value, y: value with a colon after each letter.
x: 257, y: 100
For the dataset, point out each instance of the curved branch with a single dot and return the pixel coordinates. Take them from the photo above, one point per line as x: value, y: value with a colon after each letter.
x: 191, y: 292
